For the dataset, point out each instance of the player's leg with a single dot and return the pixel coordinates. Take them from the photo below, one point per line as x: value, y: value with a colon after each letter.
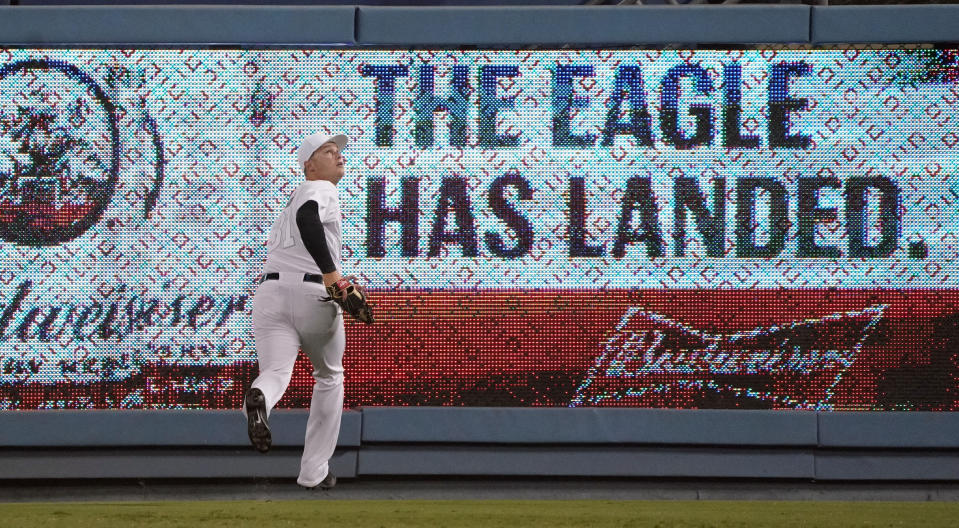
x: 324, y: 340
x: 277, y: 345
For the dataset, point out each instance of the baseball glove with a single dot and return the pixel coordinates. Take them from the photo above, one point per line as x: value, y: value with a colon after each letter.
x: 351, y: 298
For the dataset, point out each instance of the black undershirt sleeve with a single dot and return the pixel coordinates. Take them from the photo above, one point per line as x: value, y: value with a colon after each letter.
x: 314, y: 236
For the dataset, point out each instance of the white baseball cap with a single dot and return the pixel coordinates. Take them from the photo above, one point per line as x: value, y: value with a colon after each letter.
x: 314, y: 141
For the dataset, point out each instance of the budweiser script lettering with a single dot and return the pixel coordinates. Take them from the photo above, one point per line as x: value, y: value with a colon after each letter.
x: 120, y: 317
x: 791, y: 365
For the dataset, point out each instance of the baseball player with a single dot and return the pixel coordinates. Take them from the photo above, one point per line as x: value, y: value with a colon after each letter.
x: 299, y: 301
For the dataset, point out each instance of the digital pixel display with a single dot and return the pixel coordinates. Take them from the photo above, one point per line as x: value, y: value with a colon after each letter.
x: 645, y: 228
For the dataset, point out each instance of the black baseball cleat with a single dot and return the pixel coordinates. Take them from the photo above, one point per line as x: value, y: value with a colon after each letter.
x: 256, y: 424
x: 326, y: 483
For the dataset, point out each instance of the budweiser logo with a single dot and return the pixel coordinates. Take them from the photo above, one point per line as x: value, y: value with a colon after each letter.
x: 59, y: 152
x: 652, y: 360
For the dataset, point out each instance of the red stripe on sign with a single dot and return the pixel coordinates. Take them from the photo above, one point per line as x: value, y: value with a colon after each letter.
x: 812, y: 349
x: 537, y: 348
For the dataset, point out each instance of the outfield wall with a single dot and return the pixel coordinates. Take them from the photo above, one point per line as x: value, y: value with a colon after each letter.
x: 716, y: 443
x: 38, y: 23
x: 512, y: 442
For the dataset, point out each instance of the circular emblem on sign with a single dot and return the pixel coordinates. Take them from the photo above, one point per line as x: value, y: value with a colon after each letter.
x: 59, y: 152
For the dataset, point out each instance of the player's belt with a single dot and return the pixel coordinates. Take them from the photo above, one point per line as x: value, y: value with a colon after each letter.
x: 307, y: 277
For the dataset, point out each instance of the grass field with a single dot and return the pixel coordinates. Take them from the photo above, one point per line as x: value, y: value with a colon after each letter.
x: 475, y: 514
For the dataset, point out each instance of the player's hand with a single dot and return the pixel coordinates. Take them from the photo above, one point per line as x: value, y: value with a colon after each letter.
x: 330, y: 279
x: 353, y: 279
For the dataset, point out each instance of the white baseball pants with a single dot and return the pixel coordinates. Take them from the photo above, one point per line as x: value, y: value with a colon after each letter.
x: 289, y: 314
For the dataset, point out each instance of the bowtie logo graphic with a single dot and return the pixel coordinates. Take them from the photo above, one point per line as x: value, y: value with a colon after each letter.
x: 654, y: 361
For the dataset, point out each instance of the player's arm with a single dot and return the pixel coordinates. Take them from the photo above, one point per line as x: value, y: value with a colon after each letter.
x: 347, y: 294
x: 314, y: 239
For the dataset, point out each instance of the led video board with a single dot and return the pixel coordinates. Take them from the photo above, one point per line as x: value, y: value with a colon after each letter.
x: 686, y: 229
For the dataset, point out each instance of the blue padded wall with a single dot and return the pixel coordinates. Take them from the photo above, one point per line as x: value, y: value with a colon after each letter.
x: 597, y: 426
x: 490, y: 441
x: 885, y: 23
x: 304, y: 23
x: 582, y: 24
x: 934, y: 430
x: 71, y: 428
x: 607, y: 461
x: 158, y: 25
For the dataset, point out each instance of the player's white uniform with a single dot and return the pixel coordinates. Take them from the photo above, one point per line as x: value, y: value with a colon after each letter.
x: 290, y: 313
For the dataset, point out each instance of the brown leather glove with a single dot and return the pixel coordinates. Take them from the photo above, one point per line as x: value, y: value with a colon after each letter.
x: 351, y: 298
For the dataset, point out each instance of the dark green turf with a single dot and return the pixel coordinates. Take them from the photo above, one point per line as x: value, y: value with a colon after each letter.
x: 454, y: 514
